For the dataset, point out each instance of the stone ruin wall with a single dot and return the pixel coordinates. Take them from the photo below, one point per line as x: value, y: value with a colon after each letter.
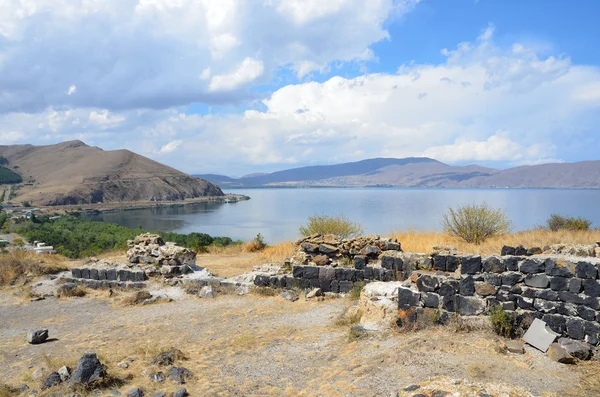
x: 147, y: 256
x: 563, y: 291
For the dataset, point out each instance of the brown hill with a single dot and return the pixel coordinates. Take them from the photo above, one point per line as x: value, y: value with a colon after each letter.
x: 74, y: 173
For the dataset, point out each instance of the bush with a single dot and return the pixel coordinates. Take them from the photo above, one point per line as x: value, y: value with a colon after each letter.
x: 502, y: 322
x: 558, y: 222
x: 258, y: 244
x: 325, y: 224
x: 475, y: 223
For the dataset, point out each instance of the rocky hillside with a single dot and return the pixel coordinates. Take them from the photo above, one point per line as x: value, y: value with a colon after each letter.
x: 74, y: 173
x: 425, y: 172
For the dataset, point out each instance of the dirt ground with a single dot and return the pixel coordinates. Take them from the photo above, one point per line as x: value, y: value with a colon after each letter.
x: 266, y: 346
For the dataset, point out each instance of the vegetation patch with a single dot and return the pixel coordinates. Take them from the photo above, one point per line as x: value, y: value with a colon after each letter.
x: 502, y: 323
x: 558, y: 222
x: 8, y: 176
x: 326, y: 224
x: 475, y: 223
x: 16, y: 264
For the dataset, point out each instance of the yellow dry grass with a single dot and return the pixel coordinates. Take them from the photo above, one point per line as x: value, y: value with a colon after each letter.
x: 416, y: 241
x: 17, y: 264
x: 233, y: 260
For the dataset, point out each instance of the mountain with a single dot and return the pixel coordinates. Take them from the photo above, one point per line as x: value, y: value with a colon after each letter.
x: 424, y: 172
x: 74, y: 173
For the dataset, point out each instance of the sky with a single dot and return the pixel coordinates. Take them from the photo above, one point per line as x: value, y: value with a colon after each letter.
x: 242, y: 86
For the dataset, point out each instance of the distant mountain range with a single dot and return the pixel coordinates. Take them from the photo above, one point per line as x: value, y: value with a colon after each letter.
x: 422, y: 172
x: 75, y: 173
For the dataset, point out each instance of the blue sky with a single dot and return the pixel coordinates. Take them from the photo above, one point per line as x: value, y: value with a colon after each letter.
x: 240, y: 86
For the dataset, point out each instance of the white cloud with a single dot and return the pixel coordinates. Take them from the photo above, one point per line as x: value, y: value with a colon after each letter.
x: 246, y: 72
x: 170, y: 147
x: 149, y: 53
x: 484, y: 104
x: 72, y: 89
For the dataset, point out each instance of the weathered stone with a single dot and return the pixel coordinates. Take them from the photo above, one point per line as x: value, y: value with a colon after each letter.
x: 592, y: 331
x: 181, y: 393
x: 35, y: 337
x: 451, y: 263
x: 391, y: 246
x: 65, y: 373
x: 485, y: 289
x: 567, y: 309
x: 89, y: 369
x: 102, y: 274
x: 508, y: 305
x: 289, y: 295
x: 309, y: 248
x: 467, y: 286
x: 398, y: 264
x: 544, y: 306
x: 179, y: 374
x: 52, y: 380
x: 439, y: 263
x: 493, y: 264
x: 407, y: 298
x: 298, y: 271
x: 514, y: 346
x: 314, y: 293
x: 537, y: 280
x: 511, y: 278
x: 592, y: 302
x: 534, y: 251
x: 559, y: 283
x: 208, y: 292
x: 520, y: 251
x: 511, y: 263
x: 94, y: 274
x: 85, y: 273
x: 575, y: 328
x: 137, y: 392
x: 368, y: 273
x: 470, y: 264
x: 469, y: 306
x: 157, y: 377
x: 556, y: 322
x: 559, y: 354
x: 524, y: 303
x: 586, y: 313
x: 76, y: 273
x: 548, y: 295
x: 320, y: 260
x: 159, y: 394
x: 591, y: 288
x: 370, y: 251
x: 532, y: 266
x: 427, y: 283
x: 586, y: 270
x: 494, y: 279
x: 387, y: 262
x: 507, y: 250
x: 450, y: 303
x: 311, y: 272
x: 574, y: 285
x: 111, y: 274
x: 570, y: 297
x: 575, y: 348
x: 345, y: 286
x: 327, y: 273
x: 360, y: 262
x: 560, y: 269
x: 430, y: 299
x: 449, y: 287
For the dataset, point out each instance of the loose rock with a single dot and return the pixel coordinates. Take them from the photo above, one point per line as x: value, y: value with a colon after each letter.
x: 89, y: 369
x: 35, y: 337
x: 289, y: 295
x: 137, y: 392
x: 559, y: 354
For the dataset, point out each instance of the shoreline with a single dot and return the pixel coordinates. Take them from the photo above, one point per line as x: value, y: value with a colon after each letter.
x: 99, y: 208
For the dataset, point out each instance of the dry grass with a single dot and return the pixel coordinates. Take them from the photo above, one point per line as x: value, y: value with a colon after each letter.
x: 415, y: 241
x: 277, y: 253
x: 17, y: 264
x: 6, y: 391
x: 78, y: 292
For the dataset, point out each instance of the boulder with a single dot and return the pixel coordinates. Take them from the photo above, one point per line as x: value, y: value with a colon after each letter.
x: 407, y: 298
x: 89, y: 369
x: 65, y: 373
x: 514, y: 346
x: 314, y: 293
x: 181, y: 393
x: 469, y: 305
x: 320, y: 260
x: 179, y: 374
x: 35, y: 337
x: 575, y: 348
x: 559, y: 354
x: 533, y: 266
x: 168, y: 357
x: 537, y: 280
x: 52, y: 380
x: 137, y: 392
x: 208, y: 291
x: 470, y: 264
x: 157, y: 377
x: 289, y: 295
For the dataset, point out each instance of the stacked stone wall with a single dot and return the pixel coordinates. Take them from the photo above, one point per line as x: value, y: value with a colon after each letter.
x: 563, y: 293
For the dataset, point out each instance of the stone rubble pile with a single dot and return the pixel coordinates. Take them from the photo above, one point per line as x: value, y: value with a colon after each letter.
x: 582, y: 250
x: 331, y: 250
x: 171, y: 259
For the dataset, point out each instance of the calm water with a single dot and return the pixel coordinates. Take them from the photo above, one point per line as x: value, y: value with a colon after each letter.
x: 277, y: 213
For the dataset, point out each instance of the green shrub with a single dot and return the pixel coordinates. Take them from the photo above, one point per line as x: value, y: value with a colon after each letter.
x: 502, y: 322
x: 558, y: 222
x: 326, y: 224
x: 475, y: 223
x: 356, y: 290
x: 9, y: 176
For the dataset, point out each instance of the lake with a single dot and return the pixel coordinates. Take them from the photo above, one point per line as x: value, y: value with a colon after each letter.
x: 278, y: 213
